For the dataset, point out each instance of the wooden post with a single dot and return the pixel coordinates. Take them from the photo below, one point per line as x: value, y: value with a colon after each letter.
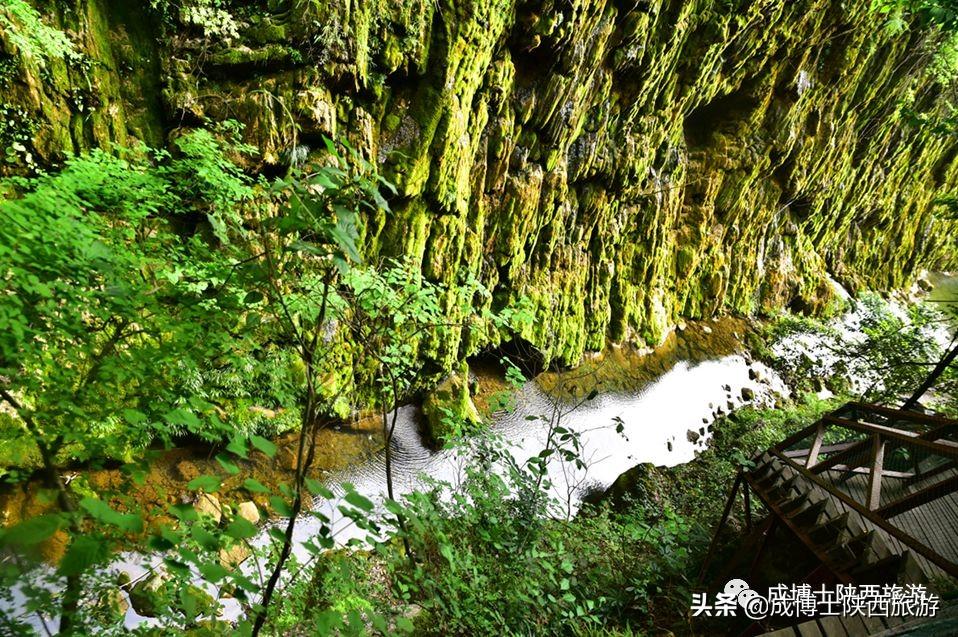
x: 812, y: 459
x: 874, y: 480
x: 718, y: 529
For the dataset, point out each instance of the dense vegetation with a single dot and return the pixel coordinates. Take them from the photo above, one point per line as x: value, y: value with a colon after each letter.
x: 202, y: 293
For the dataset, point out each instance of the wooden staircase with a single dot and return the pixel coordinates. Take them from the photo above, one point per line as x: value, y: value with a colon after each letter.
x: 849, y: 548
x: 870, y: 492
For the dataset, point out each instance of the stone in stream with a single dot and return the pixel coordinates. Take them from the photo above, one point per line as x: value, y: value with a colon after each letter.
x: 449, y: 400
x: 702, y: 431
x: 209, y: 505
x: 146, y: 596
x: 754, y: 374
x: 234, y: 555
x: 248, y: 511
x: 692, y: 436
x: 668, y: 444
x: 727, y: 387
x: 731, y: 406
x: 186, y: 470
x: 748, y: 394
x: 705, y: 420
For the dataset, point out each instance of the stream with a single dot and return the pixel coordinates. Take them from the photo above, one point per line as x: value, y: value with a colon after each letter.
x: 664, y: 423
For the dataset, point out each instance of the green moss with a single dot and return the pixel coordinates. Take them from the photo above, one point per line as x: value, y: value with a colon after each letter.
x: 617, y: 169
x: 448, y: 409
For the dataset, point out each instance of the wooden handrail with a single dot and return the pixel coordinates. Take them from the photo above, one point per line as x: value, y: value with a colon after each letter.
x: 897, y: 414
x: 918, y: 498
x: 907, y: 438
x: 922, y: 549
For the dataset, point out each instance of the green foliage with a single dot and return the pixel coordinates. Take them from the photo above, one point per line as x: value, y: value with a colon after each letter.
x: 95, y: 355
x: 33, y: 38
x: 888, y: 349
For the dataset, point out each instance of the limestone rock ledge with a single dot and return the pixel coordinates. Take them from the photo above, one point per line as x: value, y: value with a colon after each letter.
x: 618, y: 165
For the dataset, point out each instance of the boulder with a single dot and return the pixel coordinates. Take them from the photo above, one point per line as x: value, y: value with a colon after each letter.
x: 748, y: 394
x: 643, y: 484
x: 209, y: 505
x: 248, y: 511
x: 234, y: 555
x: 186, y: 470
x: 146, y: 595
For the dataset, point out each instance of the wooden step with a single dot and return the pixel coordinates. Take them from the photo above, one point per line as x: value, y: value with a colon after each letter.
x: 811, y: 515
x: 834, y: 530
x: 884, y: 571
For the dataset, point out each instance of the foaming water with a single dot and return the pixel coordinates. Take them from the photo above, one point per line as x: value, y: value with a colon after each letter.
x: 665, y: 423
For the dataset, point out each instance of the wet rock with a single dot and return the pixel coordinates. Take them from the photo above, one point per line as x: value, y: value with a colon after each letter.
x: 692, y: 436
x: 705, y: 420
x: 754, y: 374
x: 706, y: 329
x: 702, y: 431
x: 748, y: 394
x: 186, y: 471
x: 643, y: 484
x: 287, y: 458
x: 234, y: 555
x: 731, y: 405
x: 248, y: 511
x: 449, y: 406
x: 668, y: 445
x: 727, y: 387
x: 681, y: 326
x: 146, y: 596
x: 209, y: 505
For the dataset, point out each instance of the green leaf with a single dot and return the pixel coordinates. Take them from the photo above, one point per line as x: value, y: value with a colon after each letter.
x: 102, y: 511
x: 359, y: 501
x: 228, y: 465
x: 204, y: 538
x: 134, y: 417
x: 252, y: 297
x: 316, y: 488
x: 255, y: 486
x: 33, y: 531
x: 183, y: 417
x: 281, y: 506
x: 212, y: 572
x: 263, y: 445
x: 206, y: 483
x: 237, y: 446
x: 184, y: 512
x: 83, y: 553
x: 241, y: 529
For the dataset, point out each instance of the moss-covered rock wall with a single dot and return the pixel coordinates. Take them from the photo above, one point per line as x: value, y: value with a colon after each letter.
x: 617, y: 164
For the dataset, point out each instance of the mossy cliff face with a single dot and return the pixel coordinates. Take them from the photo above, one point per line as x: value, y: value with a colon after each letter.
x: 616, y: 164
